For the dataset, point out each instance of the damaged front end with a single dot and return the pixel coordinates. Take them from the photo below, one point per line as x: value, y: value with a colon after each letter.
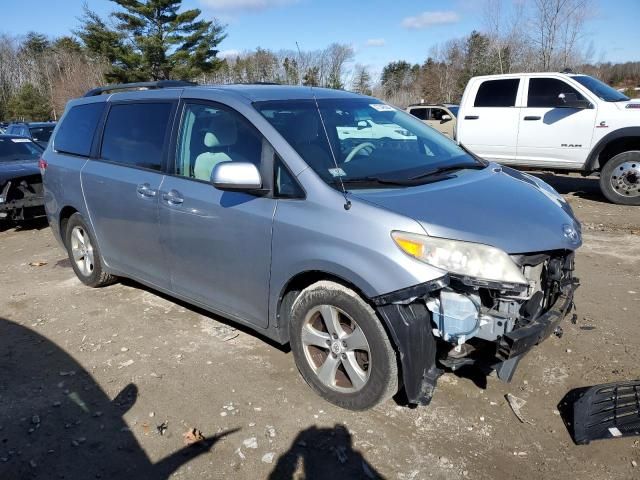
x: 458, y: 320
x: 22, y: 198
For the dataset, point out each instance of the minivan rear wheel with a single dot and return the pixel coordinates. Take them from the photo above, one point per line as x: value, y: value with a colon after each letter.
x: 84, y: 253
x: 620, y: 178
x: 341, y: 348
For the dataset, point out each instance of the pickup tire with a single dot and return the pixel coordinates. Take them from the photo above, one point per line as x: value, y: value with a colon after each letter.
x: 341, y: 348
x: 620, y: 178
x: 84, y: 254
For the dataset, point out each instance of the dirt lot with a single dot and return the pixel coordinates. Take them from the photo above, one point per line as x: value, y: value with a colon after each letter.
x: 87, y: 376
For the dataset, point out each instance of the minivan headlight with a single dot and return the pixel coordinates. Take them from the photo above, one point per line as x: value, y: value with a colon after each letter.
x: 461, y: 258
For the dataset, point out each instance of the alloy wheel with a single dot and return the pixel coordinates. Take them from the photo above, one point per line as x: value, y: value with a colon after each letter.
x: 82, y: 250
x: 336, y: 348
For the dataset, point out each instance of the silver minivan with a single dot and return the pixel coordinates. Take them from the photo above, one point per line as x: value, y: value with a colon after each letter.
x: 381, y: 251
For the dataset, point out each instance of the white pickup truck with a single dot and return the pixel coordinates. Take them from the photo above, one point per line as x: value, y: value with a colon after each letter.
x: 557, y: 122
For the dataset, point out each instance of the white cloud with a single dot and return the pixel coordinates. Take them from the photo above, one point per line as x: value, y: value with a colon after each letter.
x: 375, y: 42
x: 231, y: 52
x: 246, y: 5
x: 427, y: 19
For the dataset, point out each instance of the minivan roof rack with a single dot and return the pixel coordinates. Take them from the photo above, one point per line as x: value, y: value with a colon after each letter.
x: 139, y: 85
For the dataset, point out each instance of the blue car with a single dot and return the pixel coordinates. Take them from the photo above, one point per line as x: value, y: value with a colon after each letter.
x: 382, y: 259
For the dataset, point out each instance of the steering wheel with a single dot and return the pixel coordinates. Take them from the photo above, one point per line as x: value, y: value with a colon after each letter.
x: 357, y: 148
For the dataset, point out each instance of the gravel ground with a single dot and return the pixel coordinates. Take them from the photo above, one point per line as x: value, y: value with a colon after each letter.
x: 104, y: 383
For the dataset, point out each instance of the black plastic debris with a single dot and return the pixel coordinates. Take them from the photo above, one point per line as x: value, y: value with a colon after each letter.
x: 602, y: 411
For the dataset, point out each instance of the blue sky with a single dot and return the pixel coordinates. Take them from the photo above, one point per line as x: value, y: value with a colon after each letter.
x: 379, y: 30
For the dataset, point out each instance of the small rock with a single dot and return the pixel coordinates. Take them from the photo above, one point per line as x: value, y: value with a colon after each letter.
x: 271, y: 432
x: 35, y: 419
x: 33, y: 463
x: 152, y: 414
x: 568, y: 350
x: 268, y: 457
x: 223, y: 414
x: 634, y: 464
x: 124, y: 349
x: 240, y: 454
x: 250, y: 442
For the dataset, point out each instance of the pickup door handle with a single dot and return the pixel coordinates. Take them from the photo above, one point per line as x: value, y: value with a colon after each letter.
x: 145, y: 190
x: 533, y: 117
x: 471, y: 117
x: 173, y: 198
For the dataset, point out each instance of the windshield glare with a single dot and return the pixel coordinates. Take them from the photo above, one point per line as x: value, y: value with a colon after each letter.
x: 601, y: 89
x: 12, y: 149
x: 371, y: 141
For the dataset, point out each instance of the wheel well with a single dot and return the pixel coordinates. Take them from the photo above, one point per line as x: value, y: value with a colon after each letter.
x: 65, y: 214
x: 298, y: 283
x: 617, y: 146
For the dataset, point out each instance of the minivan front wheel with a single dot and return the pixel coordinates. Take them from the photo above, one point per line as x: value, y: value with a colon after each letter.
x: 341, y: 348
x: 84, y: 254
x: 620, y: 178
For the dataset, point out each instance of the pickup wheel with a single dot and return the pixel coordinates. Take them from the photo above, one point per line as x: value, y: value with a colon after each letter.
x: 620, y: 178
x: 341, y: 348
x: 84, y: 253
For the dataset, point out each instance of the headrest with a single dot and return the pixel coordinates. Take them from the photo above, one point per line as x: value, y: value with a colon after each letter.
x: 222, y: 131
x: 305, y: 126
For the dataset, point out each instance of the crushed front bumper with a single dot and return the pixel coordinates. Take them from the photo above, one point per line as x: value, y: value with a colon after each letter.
x: 409, y: 321
x: 521, y: 340
x: 20, y: 200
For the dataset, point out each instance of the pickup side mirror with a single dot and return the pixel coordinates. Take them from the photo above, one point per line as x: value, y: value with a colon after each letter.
x: 362, y: 124
x: 237, y: 177
x: 570, y: 100
x: 445, y: 117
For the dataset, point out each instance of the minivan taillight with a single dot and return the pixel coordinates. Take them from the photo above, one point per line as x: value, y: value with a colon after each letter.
x: 42, y: 165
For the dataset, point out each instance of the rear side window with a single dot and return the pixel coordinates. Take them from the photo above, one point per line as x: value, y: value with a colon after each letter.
x: 420, y: 113
x: 76, y: 131
x: 135, y: 133
x: 497, y: 93
x: 544, y: 92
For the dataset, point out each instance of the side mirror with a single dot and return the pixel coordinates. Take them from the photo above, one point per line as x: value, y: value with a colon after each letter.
x: 237, y: 177
x: 445, y: 118
x: 570, y: 100
x: 363, y: 124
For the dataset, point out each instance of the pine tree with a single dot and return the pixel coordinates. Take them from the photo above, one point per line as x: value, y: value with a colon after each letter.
x: 153, y: 40
x: 29, y: 105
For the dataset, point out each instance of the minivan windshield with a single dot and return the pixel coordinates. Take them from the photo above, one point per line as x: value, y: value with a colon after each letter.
x: 374, y: 144
x: 601, y: 89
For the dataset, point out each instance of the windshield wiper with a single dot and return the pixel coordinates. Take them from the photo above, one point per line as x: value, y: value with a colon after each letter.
x: 447, y: 168
x: 372, y: 179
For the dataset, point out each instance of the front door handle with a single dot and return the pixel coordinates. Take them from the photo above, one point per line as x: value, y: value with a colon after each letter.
x: 145, y: 190
x: 532, y: 117
x: 471, y: 117
x: 173, y: 197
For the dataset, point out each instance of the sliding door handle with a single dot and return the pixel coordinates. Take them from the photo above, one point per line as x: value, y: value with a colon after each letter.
x: 532, y: 117
x: 471, y: 117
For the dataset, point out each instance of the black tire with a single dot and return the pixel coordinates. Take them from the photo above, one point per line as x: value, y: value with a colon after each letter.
x: 381, y: 361
x: 96, y: 277
x: 608, y: 174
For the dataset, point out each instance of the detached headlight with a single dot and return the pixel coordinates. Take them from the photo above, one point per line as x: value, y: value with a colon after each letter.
x: 461, y: 258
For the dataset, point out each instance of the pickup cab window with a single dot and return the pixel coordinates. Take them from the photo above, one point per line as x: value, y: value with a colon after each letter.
x: 497, y: 93
x: 545, y: 92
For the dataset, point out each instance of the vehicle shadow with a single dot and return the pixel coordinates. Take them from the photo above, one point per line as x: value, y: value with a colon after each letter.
x: 57, y: 422
x: 201, y: 311
x: 322, y: 453
x: 582, y: 187
x: 39, y: 223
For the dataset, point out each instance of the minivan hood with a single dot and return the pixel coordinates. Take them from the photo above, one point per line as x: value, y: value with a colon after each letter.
x: 496, y: 206
x: 19, y: 168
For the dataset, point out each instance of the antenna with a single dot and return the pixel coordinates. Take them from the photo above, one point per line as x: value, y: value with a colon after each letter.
x: 347, y: 202
x: 299, y: 63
